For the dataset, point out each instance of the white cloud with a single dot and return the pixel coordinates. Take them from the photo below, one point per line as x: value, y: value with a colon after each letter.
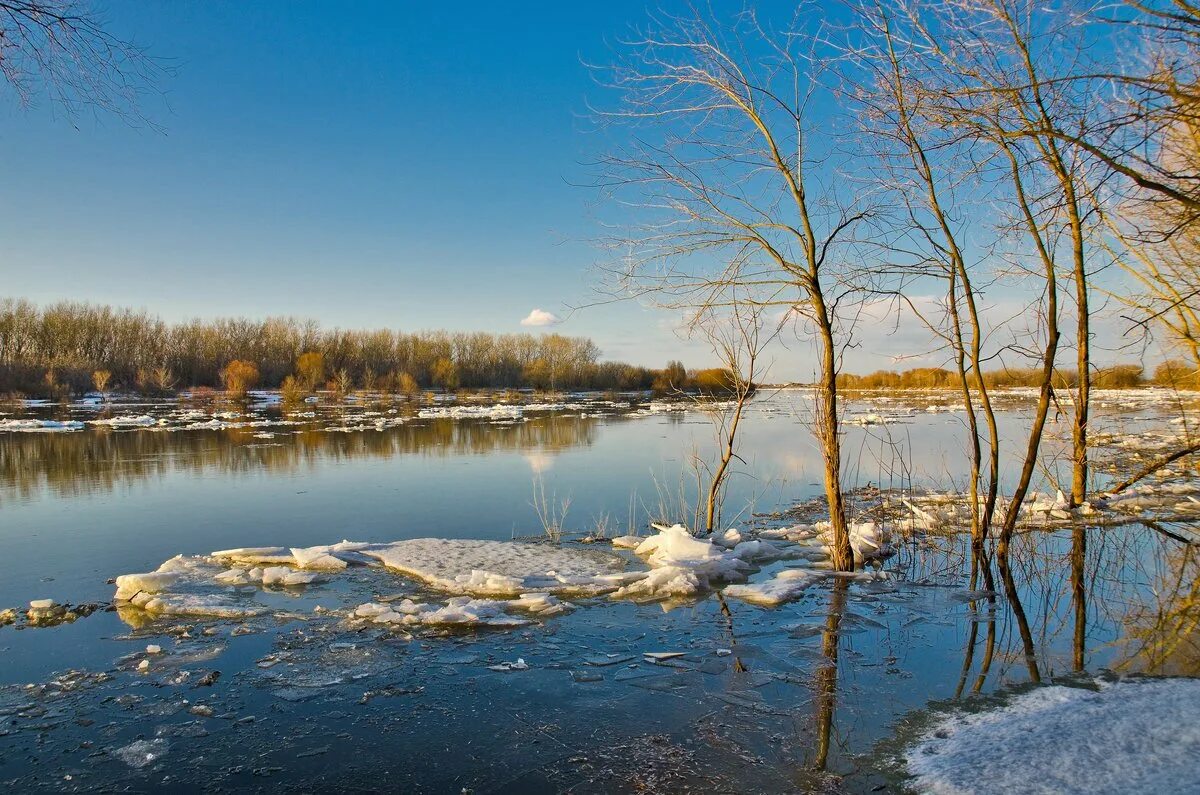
x: 540, y: 317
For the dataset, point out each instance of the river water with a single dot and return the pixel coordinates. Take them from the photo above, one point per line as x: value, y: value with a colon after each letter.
x: 818, y: 693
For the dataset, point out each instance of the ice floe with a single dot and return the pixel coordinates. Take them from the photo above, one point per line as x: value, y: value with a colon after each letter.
x: 462, y: 611
x: 497, y: 412
x: 783, y: 587
x: 40, y: 426
x: 489, y: 580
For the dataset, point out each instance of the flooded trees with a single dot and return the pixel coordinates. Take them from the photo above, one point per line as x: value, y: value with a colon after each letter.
x: 739, y: 340
x: 738, y: 194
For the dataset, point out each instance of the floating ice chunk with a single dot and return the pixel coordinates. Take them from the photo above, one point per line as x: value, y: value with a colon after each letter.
x: 282, y: 575
x: 867, y: 420
x: 730, y: 538
x: 1057, y: 508
x: 497, y: 412
x: 198, y: 606
x: 142, y: 753
x: 666, y: 582
x: 627, y: 542
x: 541, y: 604
x: 519, y: 665
x: 500, y: 568
x: 127, y: 421
x: 270, y: 575
x: 41, y: 604
x: 1133, y: 736
x: 460, y: 610
x: 153, y: 649
x: 868, y: 540
x: 783, y: 587
x: 129, y: 585
x: 257, y: 555
x: 676, y: 546
x: 43, y: 426
x: 331, y: 557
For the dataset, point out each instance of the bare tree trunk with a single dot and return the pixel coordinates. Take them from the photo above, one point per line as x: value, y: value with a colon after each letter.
x: 720, y: 168
x: 1045, y: 393
x: 842, y: 554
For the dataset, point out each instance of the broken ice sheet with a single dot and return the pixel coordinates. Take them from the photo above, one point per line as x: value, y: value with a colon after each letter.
x: 141, y: 753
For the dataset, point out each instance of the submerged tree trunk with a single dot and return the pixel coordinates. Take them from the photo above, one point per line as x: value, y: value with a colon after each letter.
x: 828, y: 433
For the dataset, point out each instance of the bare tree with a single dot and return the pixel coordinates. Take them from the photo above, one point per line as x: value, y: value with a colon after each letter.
x: 740, y: 192
x: 62, y: 49
x: 928, y: 164
x: 739, y: 339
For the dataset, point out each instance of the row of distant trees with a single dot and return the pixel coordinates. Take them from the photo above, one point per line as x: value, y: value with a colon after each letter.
x: 1174, y: 374
x: 73, y: 347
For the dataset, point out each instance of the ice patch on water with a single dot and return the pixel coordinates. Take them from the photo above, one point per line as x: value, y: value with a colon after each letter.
x: 501, y: 568
x: 491, y: 579
x: 40, y: 426
x: 497, y: 412
x: 127, y: 421
x: 269, y: 576
x: 783, y: 587
x: 1133, y: 736
x: 462, y: 611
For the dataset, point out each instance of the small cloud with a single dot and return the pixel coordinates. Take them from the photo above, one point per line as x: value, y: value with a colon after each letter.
x: 540, y: 317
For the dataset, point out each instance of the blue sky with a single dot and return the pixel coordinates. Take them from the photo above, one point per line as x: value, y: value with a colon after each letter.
x: 366, y: 165
x: 379, y: 164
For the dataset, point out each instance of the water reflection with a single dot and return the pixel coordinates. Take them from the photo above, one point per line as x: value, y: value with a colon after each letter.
x: 96, y: 460
x: 827, y: 673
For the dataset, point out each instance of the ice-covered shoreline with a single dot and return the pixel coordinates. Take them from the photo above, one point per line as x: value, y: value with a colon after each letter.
x: 1137, y: 735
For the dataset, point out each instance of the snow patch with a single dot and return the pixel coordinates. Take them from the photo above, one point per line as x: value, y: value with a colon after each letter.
x: 1133, y: 736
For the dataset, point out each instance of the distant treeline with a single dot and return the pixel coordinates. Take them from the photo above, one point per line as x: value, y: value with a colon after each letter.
x: 1119, y: 376
x: 75, y: 347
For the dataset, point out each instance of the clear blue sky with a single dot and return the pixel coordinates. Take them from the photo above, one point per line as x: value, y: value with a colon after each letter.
x: 409, y: 165
x: 368, y: 164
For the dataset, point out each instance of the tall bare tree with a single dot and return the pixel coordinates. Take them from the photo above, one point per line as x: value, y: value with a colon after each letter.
x: 739, y: 191
x: 927, y: 165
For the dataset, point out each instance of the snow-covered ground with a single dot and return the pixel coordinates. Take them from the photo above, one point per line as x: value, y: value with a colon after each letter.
x: 1134, y: 736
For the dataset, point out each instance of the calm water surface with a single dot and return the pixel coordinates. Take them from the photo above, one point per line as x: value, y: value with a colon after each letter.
x: 812, y: 696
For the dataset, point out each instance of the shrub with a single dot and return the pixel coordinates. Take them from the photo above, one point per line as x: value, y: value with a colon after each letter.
x: 100, y: 380
x: 163, y: 380
x: 1120, y: 376
x: 445, y: 374
x: 310, y: 369
x: 341, y: 383
x: 1177, y: 375
x: 239, y: 376
x: 291, y: 390
x: 715, y: 381
x: 406, y: 384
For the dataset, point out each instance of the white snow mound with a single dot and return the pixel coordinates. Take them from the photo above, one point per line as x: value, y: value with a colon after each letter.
x: 1136, y: 736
